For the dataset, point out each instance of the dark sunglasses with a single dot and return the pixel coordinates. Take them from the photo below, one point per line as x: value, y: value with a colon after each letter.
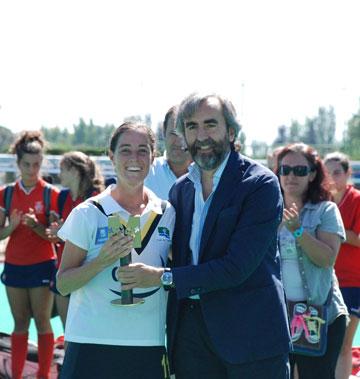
x: 284, y: 170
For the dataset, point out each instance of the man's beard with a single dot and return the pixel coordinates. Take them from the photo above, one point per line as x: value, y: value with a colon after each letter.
x: 214, y: 158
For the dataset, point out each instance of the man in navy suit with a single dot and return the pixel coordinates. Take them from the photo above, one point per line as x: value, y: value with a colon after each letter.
x: 226, y: 312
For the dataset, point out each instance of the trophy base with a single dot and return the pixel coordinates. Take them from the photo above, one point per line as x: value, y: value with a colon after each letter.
x: 136, y: 301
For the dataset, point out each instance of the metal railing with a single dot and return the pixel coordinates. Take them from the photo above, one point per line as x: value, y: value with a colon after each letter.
x: 51, y: 164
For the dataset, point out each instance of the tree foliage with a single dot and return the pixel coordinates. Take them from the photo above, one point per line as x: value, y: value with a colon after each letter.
x: 6, y: 139
x: 86, y: 136
x: 318, y: 131
x: 351, y: 140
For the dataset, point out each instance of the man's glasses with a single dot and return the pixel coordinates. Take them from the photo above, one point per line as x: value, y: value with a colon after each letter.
x: 284, y: 170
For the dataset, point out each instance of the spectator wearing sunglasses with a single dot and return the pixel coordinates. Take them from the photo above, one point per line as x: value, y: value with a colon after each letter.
x: 309, y: 238
x: 347, y: 265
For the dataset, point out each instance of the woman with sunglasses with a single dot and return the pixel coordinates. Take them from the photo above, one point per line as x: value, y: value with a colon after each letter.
x: 309, y: 238
x: 347, y: 266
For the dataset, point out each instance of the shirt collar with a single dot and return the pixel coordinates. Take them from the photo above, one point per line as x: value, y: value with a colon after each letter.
x: 195, y: 172
x: 309, y: 205
x: 28, y: 191
x: 111, y: 206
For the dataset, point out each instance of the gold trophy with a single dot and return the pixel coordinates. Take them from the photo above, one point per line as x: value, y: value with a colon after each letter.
x: 133, y: 227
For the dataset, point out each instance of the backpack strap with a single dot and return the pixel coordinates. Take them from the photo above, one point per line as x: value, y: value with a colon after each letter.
x: 61, y: 200
x: 47, y: 197
x: 8, y: 194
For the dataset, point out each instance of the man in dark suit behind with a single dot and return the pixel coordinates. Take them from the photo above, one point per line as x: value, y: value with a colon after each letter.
x: 226, y: 313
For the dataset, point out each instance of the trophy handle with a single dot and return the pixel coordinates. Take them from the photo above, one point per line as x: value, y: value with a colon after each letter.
x: 127, y: 299
x: 127, y: 295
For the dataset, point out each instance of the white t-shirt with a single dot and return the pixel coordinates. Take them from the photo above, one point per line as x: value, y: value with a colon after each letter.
x: 160, y: 178
x: 91, y: 317
x: 293, y: 284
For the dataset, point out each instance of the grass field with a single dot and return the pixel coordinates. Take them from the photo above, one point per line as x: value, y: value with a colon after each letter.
x: 6, y: 321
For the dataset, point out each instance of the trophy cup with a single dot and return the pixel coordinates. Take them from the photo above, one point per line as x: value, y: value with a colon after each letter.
x: 133, y: 227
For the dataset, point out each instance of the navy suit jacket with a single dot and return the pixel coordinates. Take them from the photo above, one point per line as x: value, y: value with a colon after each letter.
x: 238, y: 275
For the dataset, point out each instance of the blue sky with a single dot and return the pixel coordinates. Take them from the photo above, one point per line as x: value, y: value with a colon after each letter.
x: 105, y: 60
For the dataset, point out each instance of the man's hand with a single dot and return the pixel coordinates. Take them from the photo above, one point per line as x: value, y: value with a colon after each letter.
x: 139, y: 275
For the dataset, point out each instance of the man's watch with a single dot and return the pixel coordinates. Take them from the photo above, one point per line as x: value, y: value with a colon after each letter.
x: 167, y: 279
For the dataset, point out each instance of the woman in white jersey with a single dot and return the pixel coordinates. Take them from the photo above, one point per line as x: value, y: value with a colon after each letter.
x: 107, y: 341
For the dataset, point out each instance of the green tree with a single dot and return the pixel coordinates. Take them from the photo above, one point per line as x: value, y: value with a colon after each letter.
x: 138, y: 118
x: 6, y: 139
x: 325, y: 125
x: 259, y: 149
x: 282, y: 137
x: 295, y: 131
x: 351, y: 141
x: 79, y: 132
x: 241, y: 142
x: 318, y: 131
x: 160, y: 139
x: 310, y: 135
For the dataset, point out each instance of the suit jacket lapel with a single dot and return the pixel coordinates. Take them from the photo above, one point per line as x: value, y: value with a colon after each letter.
x: 222, y: 196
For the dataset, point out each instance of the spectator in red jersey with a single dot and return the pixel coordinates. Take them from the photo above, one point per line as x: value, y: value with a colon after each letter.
x: 81, y: 179
x: 30, y: 256
x: 347, y: 266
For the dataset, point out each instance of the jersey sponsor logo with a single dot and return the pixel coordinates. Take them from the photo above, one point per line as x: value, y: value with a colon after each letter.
x: 38, y: 207
x: 163, y: 233
x: 101, y: 235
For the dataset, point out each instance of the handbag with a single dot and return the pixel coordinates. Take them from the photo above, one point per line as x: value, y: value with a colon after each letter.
x: 308, y: 322
x: 308, y: 326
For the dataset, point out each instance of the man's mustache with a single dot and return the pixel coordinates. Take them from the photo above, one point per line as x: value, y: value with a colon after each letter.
x: 208, y: 142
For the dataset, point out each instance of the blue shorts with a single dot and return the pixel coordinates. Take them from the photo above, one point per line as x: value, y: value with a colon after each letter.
x: 28, y: 276
x: 351, y: 297
x: 94, y: 361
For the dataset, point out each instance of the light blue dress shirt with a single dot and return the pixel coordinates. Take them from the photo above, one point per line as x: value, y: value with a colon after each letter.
x: 201, y: 207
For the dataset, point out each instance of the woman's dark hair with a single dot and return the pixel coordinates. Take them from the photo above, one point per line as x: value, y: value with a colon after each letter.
x: 90, y: 176
x: 318, y: 189
x: 28, y: 142
x: 130, y: 125
x: 341, y: 158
